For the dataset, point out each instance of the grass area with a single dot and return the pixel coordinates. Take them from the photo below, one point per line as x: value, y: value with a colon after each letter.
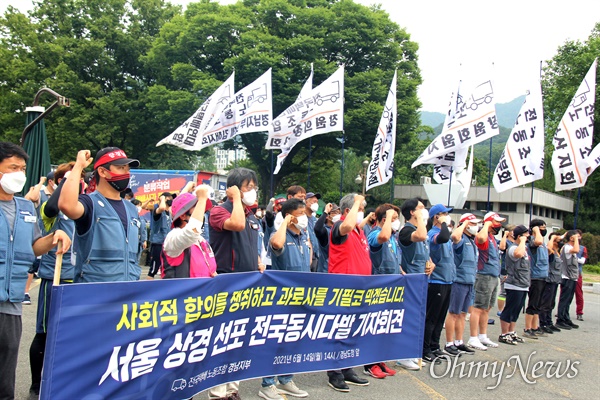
x: 591, y: 273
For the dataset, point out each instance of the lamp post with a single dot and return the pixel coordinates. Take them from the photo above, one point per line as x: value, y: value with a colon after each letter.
x: 362, y: 177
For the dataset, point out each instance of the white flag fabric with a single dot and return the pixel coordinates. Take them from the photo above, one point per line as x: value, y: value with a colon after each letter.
x: 321, y: 111
x: 456, y: 158
x: 187, y: 134
x: 573, y: 138
x: 250, y: 110
x: 593, y: 160
x: 381, y: 167
x: 522, y: 160
x: 475, y: 122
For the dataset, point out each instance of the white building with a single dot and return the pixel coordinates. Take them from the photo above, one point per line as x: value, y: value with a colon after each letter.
x: 226, y: 157
x: 514, y: 204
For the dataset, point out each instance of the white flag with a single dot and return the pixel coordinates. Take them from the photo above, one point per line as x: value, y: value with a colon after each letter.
x: 187, y: 134
x: 321, y: 111
x: 593, y: 160
x: 475, y: 122
x: 381, y: 167
x: 573, y: 138
x: 522, y: 160
x: 250, y: 110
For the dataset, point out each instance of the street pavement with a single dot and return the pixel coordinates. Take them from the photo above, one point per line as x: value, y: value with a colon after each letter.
x: 563, y: 365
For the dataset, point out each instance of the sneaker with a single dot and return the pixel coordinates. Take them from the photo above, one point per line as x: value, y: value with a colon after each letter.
x: 579, y: 317
x: 354, y: 379
x: 516, y: 338
x: 572, y: 325
x: 375, y: 371
x: 507, y: 339
x: 554, y: 328
x: 499, y: 313
x: 491, y: 321
x: 452, y: 350
x: 563, y: 325
x: 291, y: 389
x: 35, y: 389
x: 431, y: 358
x: 547, y: 329
x: 269, y: 392
x: 476, y: 344
x: 539, y: 332
x: 468, y: 317
x: 234, y: 396
x: 338, y: 384
x: 26, y: 299
x: 387, y: 370
x: 487, y: 342
x: 528, y: 333
x: 441, y: 355
x: 465, y: 349
x: 408, y: 364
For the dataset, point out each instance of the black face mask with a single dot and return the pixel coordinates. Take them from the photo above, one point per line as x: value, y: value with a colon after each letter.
x: 495, y: 230
x: 118, y: 182
x: 543, y: 232
x: 169, y: 202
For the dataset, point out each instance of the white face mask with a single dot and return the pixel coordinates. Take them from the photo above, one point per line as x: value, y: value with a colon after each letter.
x: 472, y: 230
x: 258, y: 214
x: 13, y: 182
x: 139, y: 209
x: 360, y: 216
x: 302, y: 222
x: 424, y: 215
x: 336, y: 218
x: 396, y: 225
x: 249, y: 197
x: 314, y: 207
x: 53, y: 185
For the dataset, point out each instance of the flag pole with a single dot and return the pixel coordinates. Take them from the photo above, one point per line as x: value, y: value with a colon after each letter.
x: 309, y: 153
x: 577, y: 208
x: 531, y: 203
x: 489, y: 176
x: 450, y: 184
x: 271, y: 151
x: 392, y: 183
x: 343, y: 140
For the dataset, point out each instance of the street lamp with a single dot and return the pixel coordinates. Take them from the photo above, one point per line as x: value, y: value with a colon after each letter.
x: 362, y: 177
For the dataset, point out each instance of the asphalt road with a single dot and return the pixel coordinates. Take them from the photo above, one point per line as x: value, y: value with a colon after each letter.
x: 563, y: 365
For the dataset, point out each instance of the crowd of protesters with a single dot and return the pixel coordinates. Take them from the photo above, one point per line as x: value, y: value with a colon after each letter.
x: 192, y: 235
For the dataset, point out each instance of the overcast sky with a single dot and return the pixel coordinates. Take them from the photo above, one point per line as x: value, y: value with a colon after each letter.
x: 461, y: 38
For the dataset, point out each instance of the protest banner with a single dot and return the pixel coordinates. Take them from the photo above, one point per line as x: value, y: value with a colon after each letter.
x: 171, y: 339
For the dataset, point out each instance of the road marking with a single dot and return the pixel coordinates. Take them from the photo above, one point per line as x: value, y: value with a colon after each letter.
x: 425, y: 388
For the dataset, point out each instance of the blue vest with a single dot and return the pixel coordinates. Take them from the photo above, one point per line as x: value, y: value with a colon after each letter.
x: 539, y: 262
x: 313, y: 238
x: 465, y: 259
x: 159, y: 229
x: 489, y: 261
x: 443, y: 258
x: 295, y: 257
x: 323, y: 262
x: 415, y: 256
x: 16, y: 251
x: 48, y: 260
x: 106, y: 253
x: 386, y: 258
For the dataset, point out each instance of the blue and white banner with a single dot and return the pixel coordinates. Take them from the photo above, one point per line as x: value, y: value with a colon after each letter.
x: 171, y: 339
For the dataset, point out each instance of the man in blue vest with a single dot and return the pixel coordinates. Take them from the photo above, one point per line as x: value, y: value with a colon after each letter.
x: 160, y: 225
x: 52, y: 220
x: 20, y: 242
x: 539, y: 272
x: 106, y: 226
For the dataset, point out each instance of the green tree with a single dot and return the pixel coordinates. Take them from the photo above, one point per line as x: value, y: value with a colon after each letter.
x: 562, y: 76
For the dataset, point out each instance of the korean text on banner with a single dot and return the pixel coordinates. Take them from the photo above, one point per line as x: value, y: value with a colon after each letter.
x: 381, y: 167
x: 473, y: 123
x: 522, y: 160
x: 573, y: 138
x: 171, y: 339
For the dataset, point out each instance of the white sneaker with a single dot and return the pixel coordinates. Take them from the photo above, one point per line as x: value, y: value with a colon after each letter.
x: 488, y: 342
x: 291, y: 389
x: 476, y: 344
x: 408, y: 364
x: 269, y: 393
x: 468, y: 317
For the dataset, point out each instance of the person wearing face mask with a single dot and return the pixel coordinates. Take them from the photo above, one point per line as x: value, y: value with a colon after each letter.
x: 539, y: 273
x: 290, y: 251
x: 368, y: 222
x: 348, y: 254
x: 21, y: 242
x: 312, y: 206
x: 293, y: 192
x: 465, y: 260
x: 552, y: 282
x: 440, y: 281
x: 331, y: 214
x: 107, y: 228
x: 486, y: 281
x: 143, y: 230
x: 505, y: 243
x: 160, y: 225
x: 569, y: 274
x: 385, y: 259
x: 233, y: 238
